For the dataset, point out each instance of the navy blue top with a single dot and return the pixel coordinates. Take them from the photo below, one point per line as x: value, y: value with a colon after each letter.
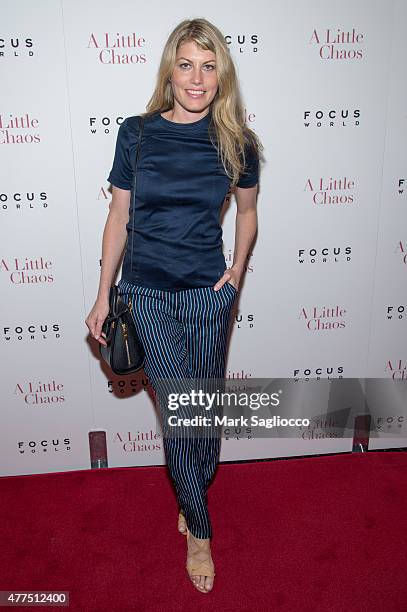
x: 181, y: 187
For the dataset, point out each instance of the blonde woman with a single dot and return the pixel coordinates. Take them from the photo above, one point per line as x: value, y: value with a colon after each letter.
x: 194, y: 147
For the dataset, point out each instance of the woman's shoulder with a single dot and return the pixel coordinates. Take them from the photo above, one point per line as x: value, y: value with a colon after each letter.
x: 132, y: 124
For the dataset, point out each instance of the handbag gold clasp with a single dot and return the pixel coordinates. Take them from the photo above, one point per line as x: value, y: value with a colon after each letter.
x: 124, y: 330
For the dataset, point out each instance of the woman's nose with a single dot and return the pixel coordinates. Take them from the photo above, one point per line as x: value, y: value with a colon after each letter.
x: 196, y: 75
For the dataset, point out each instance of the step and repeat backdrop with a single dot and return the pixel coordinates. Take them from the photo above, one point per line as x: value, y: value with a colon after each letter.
x: 324, y: 294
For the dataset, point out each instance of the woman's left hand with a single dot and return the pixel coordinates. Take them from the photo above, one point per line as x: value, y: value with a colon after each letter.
x: 231, y: 276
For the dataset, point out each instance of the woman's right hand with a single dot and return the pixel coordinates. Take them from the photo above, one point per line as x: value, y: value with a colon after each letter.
x: 96, y: 318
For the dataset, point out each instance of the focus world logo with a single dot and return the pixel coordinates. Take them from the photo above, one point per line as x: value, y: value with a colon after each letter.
x: 23, y: 200
x: 105, y: 125
x: 391, y: 424
x: 326, y: 255
x: 129, y: 384
x: 243, y: 42
x: 331, y: 117
x: 44, y: 445
x: 325, y: 372
x: 16, y: 46
x: 396, y: 312
x: 244, y: 320
x: 29, y: 332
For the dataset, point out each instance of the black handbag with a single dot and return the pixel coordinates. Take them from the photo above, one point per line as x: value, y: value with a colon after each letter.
x: 124, y: 352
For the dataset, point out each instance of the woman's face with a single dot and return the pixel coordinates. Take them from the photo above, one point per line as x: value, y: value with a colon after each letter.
x: 194, y: 79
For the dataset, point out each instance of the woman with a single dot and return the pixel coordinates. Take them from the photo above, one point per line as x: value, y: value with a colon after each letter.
x: 194, y: 146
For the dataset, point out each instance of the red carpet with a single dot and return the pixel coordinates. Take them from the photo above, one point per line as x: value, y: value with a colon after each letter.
x: 321, y: 534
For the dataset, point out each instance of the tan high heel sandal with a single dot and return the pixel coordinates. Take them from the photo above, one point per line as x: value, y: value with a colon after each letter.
x: 197, y: 567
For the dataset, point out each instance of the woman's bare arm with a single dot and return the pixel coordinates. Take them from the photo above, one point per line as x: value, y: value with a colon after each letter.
x: 246, y: 227
x: 114, y: 238
x: 113, y: 242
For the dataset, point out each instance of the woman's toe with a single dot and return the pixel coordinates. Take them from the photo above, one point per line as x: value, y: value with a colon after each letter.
x: 208, y: 583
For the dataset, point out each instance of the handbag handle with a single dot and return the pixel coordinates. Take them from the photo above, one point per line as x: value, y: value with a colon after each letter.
x: 134, y: 186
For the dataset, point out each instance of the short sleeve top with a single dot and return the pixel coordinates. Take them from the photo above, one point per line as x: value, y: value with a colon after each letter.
x: 174, y: 233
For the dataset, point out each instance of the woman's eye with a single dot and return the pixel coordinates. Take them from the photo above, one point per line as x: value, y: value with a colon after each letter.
x: 207, y: 66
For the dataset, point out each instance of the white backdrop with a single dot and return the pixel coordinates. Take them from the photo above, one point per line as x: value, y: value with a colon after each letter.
x: 324, y: 87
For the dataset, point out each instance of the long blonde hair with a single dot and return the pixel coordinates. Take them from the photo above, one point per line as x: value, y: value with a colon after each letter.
x: 227, y: 130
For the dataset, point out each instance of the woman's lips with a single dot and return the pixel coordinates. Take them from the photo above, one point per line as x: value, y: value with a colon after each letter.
x: 194, y: 93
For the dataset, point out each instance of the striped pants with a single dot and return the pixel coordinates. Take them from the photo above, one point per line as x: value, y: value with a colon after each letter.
x: 184, y: 335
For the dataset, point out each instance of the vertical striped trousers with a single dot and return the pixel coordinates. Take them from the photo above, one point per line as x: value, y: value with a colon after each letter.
x: 184, y: 335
